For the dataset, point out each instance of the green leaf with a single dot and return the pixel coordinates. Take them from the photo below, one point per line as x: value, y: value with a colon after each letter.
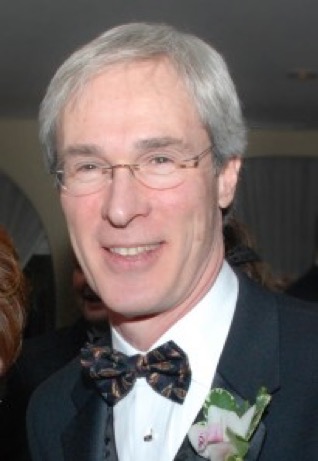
x: 261, y: 402
x: 240, y: 444
x: 221, y: 398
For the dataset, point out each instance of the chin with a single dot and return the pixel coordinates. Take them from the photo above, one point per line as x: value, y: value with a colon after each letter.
x: 120, y: 316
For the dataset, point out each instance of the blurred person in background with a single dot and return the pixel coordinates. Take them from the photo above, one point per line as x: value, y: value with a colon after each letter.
x: 13, y: 300
x: 92, y: 309
x: 241, y: 253
x: 13, y: 307
x: 306, y: 286
x: 40, y: 357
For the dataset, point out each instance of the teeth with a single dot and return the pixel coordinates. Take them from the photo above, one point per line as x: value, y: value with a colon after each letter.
x: 132, y: 251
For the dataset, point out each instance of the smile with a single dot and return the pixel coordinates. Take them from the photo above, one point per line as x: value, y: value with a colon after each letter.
x: 133, y: 251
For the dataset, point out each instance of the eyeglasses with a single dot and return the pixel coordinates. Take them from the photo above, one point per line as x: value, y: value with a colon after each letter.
x: 162, y: 170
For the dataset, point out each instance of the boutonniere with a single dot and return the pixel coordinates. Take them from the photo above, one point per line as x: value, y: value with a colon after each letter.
x: 227, y: 427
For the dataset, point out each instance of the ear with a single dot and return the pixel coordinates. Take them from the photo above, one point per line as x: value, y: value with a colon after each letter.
x: 228, y: 177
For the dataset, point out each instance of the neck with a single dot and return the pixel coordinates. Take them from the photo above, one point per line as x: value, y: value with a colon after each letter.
x: 143, y: 332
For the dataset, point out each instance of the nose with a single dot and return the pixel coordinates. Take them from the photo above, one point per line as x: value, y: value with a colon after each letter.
x: 125, y: 198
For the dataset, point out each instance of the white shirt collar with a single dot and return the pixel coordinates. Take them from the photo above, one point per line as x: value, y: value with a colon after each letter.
x: 202, y: 332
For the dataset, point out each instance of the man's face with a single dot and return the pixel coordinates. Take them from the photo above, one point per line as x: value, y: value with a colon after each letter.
x: 144, y: 251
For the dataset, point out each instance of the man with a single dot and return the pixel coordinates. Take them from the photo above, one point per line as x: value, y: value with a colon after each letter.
x: 143, y: 131
x: 44, y: 354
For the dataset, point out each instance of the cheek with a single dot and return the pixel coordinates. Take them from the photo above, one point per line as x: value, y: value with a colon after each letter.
x: 206, y: 213
x: 195, y: 214
x: 80, y: 214
x: 78, y: 210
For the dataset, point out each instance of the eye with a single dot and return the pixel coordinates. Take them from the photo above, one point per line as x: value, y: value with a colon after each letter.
x: 86, y: 167
x: 162, y: 158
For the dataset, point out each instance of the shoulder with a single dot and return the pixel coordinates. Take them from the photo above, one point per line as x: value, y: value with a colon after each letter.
x: 250, y: 290
x: 52, y: 399
x: 43, y: 355
x: 54, y: 339
x: 275, y: 344
x: 50, y: 410
x: 306, y: 287
x: 297, y: 319
x: 299, y: 329
x: 59, y: 383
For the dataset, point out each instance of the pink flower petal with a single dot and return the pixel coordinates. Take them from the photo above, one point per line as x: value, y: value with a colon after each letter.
x: 215, y: 433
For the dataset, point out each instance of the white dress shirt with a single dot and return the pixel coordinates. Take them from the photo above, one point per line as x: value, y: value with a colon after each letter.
x: 201, y: 333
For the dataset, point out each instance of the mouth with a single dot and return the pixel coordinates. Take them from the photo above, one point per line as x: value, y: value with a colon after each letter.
x: 133, y: 251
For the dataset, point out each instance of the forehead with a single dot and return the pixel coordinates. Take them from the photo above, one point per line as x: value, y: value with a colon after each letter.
x: 155, y: 70
x: 156, y: 77
x: 147, y: 97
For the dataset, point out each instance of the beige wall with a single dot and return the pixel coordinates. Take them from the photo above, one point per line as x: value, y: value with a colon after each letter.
x: 20, y: 158
x: 283, y: 142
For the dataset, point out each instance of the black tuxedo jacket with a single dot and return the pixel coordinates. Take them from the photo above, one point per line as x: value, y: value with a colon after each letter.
x: 306, y: 287
x: 273, y: 342
x: 41, y: 356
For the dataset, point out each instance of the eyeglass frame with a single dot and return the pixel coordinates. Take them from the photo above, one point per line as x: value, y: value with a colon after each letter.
x: 132, y: 167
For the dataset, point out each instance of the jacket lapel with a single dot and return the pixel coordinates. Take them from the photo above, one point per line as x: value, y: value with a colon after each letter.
x: 89, y: 436
x: 250, y: 358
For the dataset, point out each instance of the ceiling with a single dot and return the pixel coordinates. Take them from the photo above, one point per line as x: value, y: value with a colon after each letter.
x: 262, y: 41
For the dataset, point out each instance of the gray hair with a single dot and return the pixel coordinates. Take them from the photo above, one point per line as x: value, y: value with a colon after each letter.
x: 202, y: 68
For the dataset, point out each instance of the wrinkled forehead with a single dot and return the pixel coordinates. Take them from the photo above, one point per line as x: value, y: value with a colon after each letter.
x: 147, y: 68
x: 144, y: 93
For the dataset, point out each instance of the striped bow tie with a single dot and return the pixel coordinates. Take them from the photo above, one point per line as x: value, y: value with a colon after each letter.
x: 165, y: 368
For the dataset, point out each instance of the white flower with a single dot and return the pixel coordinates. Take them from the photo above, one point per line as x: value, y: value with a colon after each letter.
x: 227, y: 428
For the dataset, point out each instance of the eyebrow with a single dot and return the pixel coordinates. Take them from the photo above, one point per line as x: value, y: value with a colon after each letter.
x: 80, y: 149
x: 159, y: 142
x: 142, y: 145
